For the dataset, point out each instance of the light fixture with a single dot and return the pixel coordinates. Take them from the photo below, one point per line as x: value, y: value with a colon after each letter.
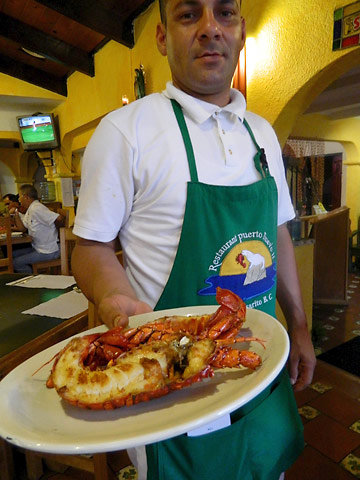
x: 33, y: 54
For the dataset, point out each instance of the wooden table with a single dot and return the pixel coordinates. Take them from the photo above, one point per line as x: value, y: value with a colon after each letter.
x: 24, y: 238
x: 22, y: 336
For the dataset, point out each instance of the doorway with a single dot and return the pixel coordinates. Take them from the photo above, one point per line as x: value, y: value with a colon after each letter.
x: 332, y: 181
x: 314, y: 179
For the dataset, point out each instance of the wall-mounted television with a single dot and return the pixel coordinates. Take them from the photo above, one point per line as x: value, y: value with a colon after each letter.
x: 38, y: 131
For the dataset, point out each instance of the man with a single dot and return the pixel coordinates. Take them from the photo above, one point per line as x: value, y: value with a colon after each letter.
x: 184, y: 179
x: 41, y: 224
x: 11, y: 202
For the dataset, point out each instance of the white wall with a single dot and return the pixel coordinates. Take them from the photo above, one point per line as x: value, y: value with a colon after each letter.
x: 7, y: 180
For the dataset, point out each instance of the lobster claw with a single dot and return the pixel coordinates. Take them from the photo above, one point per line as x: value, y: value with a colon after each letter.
x: 229, y: 299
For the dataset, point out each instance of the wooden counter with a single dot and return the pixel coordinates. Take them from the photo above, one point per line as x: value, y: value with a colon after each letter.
x: 304, y: 255
x: 331, y: 234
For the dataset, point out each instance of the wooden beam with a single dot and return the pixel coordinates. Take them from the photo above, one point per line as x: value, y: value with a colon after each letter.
x: 128, y: 27
x: 92, y: 14
x: 33, y: 75
x: 43, y: 44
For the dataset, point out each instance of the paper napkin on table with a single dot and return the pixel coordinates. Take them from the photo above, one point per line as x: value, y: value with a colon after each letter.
x: 64, y: 306
x: 44, y: 281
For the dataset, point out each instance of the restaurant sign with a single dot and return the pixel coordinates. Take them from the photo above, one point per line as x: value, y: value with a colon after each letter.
x: 347, y: 26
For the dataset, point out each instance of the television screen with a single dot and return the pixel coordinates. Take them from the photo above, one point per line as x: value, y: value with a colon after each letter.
x: 38, y: 132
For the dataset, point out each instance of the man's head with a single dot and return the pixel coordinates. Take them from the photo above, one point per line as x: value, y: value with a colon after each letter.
x: 27, y: 195
x: 11, y: 201
x: 202, y: 40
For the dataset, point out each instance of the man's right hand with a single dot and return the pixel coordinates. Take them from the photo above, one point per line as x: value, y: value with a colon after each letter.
x: 116, y: 309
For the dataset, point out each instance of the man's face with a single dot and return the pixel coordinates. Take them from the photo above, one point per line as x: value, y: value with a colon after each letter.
x: 202, y: 40
x: 24, y: 200
x: 9, y: 203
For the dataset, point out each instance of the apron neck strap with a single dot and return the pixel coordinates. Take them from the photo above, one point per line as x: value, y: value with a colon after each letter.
x: 260, y: 161
x: 186, y: 137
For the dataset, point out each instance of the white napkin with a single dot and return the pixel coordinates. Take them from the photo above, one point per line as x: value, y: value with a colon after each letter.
x: 13, y: 234
x: 64, y: 306
x: 44, y: 281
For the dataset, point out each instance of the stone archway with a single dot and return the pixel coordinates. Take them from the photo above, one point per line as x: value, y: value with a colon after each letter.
x: 298, y: 104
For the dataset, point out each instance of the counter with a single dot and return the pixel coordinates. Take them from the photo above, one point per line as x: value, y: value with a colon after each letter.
x: 304, y: 255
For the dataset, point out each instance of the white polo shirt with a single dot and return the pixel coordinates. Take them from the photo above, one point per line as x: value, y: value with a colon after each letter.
x: 135, y: 173
x: 40, y: 222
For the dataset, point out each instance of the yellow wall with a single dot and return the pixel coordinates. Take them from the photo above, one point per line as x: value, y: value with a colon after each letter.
x: 89, y: 99
x: 289, y: 63
x: 290, y: 58
x: 13, y: 86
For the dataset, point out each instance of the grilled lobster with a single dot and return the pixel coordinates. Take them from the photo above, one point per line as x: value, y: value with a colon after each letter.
x: 127, y: 366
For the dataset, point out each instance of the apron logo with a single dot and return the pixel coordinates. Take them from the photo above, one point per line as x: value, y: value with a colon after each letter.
x: 246, y: 265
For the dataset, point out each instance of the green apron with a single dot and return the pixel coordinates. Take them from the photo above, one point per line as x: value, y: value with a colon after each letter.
x: 228, y: 239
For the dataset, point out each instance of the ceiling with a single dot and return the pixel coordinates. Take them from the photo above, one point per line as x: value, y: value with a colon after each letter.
x: 341, y: 99
x: 44, y: 41
x: 67, y: 34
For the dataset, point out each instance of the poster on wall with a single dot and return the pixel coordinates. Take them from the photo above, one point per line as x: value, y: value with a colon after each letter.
x: 347, y: 26
x: 67, y: 192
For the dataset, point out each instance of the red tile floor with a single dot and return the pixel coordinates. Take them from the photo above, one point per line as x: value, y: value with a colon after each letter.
x: 329, y: 408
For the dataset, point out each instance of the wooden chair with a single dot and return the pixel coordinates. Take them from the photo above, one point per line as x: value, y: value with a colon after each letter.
x: 52, y: 266
x: 67, y: 244
x: 6, y: 263
x: 6, y: 460
x: 354, y: 251
x: 98, y: 464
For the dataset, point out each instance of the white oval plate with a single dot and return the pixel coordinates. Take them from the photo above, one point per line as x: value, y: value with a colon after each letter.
x: 36, y: 418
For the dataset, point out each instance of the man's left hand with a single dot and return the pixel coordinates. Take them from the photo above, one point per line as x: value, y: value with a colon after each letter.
x: 302, y: 360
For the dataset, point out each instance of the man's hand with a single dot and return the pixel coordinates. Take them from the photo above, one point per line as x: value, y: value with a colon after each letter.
x: 302, y: 360
x: 115, y: 310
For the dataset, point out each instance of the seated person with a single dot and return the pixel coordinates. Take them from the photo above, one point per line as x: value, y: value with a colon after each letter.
x: 12, y: 203
x: 41, y: 224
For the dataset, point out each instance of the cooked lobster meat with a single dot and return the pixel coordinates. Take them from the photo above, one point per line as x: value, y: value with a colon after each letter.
x: 124, y: 366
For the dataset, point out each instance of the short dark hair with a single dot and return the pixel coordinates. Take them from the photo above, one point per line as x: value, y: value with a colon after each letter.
x: 29, y: 190
x: 162, y: 6
x: 11, y: 197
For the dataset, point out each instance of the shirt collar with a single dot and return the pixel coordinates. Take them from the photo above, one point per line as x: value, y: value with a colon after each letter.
x: 201, y: 111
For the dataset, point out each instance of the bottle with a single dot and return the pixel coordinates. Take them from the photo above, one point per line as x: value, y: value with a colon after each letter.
x: 296, y: 228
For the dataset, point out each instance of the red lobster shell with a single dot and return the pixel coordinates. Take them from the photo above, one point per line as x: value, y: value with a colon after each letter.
x: 127, y: 366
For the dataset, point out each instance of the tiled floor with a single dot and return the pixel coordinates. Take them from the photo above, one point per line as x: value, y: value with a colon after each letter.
x: 334, y: 325
x: 329, y: 408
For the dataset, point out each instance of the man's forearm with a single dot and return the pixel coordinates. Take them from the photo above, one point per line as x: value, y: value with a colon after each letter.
x: 103, y: 280
x: 18, y: 223
x: 98, y: 272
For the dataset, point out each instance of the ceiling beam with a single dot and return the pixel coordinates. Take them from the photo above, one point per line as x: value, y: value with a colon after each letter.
x: 43, y: 44
x: 33, y: 75
x: 346, y: 81
x: 94, y: 15
x: 128, y: 27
